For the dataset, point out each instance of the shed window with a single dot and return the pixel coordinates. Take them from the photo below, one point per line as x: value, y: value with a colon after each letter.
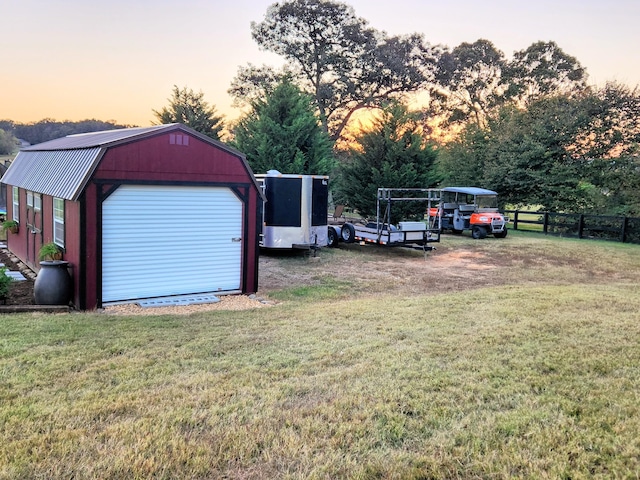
x: 58, y: 221
x: 34, y: 201
x: 16, y: 204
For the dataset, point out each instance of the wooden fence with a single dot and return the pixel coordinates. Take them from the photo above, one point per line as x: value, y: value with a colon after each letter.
x: 577, y: 225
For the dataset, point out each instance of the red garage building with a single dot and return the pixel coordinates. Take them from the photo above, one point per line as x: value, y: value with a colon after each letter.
x: 140, y: 213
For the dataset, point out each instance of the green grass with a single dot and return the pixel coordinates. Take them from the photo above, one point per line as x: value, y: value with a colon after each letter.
x: 326, y: 289
x: 537, y: 378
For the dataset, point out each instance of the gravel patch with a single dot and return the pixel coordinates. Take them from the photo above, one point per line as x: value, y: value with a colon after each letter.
x: 227, y: 302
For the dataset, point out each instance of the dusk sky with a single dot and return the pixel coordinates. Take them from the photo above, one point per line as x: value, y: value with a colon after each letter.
x: 118, y: 60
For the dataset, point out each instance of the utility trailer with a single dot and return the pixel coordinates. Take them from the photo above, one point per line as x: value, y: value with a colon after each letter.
x: 414, y: 234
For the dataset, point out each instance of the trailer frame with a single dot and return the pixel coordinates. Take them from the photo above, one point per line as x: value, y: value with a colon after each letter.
x: 414, y: 234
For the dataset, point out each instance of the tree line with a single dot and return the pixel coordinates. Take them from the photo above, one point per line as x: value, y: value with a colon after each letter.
x: 529, y: 127
x: 45, y: 130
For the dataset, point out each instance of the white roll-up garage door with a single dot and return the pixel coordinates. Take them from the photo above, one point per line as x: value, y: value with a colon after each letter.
x: 170, y: 240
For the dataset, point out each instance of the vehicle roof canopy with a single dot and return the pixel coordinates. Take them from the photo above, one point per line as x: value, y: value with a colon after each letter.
x: 470, y: 190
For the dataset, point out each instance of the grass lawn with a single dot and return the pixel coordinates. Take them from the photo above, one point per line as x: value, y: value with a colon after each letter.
x: 538, y: 377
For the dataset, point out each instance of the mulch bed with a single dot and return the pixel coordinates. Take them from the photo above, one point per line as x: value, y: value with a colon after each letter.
x: 20, y: 292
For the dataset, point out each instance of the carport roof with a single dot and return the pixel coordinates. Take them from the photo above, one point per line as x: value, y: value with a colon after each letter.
x: 62, y: 167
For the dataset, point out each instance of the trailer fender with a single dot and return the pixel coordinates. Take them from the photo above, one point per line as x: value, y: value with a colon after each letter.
x: 332, y: 237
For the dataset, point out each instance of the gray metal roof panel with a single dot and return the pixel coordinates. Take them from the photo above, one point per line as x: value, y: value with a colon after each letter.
x: 62, y: 167
x: 97, y: 139
x: 61, y: 174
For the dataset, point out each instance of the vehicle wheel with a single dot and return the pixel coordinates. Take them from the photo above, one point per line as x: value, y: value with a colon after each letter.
x: 348, y: 233
x: 478, y: 232
x: 501, y: 234
x: 332, y: 237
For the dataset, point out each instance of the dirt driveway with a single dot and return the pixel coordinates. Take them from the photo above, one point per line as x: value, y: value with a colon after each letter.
x: 382, y: 269
x: 458, y: 263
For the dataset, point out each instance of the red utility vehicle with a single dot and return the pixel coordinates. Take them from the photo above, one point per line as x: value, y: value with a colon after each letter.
x: 472, y: 208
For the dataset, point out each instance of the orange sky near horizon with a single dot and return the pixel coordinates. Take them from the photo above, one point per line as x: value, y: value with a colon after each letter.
x: 75, y: 60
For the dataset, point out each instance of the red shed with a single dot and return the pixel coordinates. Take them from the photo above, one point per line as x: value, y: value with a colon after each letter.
x: 140, y: 213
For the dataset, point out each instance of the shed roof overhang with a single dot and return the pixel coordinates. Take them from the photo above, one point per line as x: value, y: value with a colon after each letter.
x: 59, y: 173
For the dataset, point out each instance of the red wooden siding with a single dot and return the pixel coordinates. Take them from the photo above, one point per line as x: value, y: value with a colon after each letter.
x: 173, y: 157
x: 159, y: 160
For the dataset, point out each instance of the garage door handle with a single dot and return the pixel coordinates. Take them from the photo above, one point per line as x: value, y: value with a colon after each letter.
x: 236, y: 239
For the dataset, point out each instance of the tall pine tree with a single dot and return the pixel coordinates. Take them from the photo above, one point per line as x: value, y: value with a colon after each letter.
x: 281, y: 132
x: 191, y: 109
x: 393, y: 154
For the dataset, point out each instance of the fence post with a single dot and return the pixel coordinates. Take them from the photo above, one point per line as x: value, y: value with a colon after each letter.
x: 623, y: 229
x: 515, y: 220
x: 580, y: 225
x: 545, y: 227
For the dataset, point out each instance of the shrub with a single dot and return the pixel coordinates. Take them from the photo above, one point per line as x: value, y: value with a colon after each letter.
x: 5, y: 283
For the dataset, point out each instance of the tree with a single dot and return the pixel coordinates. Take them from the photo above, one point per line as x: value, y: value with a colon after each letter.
x: 544, y: 69
x: 615, y: 127
x: 282, y: 133
x: 566, y: 153
x: 474, y: 80
x: 471, y: 84
x: 531, y: 159
x: 191, y: 109
x: 49, y: 129
x: 343, y: 64
x: 7, y: 125
x: 612, y: 145
x: 462, y: 161
x: 8, y: 143
x: 613, y: 185
x: 392, y: 154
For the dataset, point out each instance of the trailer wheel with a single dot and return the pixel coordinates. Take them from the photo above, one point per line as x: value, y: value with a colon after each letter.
x: 332, y: 237
x: 478, y: 232
x: 348, y: 233
x: 501, y: 234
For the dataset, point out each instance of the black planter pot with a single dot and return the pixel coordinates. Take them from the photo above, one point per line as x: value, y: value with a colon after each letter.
x: 53, y: 283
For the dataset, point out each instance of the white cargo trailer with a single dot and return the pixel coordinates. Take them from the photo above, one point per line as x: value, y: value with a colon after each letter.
x: 295, y: 212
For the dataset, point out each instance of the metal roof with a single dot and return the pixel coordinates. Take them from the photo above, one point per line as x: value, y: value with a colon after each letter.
x: 97, y: 139
x: 59, y: 173
x: 469, y: 190
x: 62, y: 167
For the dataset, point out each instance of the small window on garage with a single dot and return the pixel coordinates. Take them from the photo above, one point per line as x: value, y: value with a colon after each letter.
x: 58, y: 221
x: 16, y: 204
